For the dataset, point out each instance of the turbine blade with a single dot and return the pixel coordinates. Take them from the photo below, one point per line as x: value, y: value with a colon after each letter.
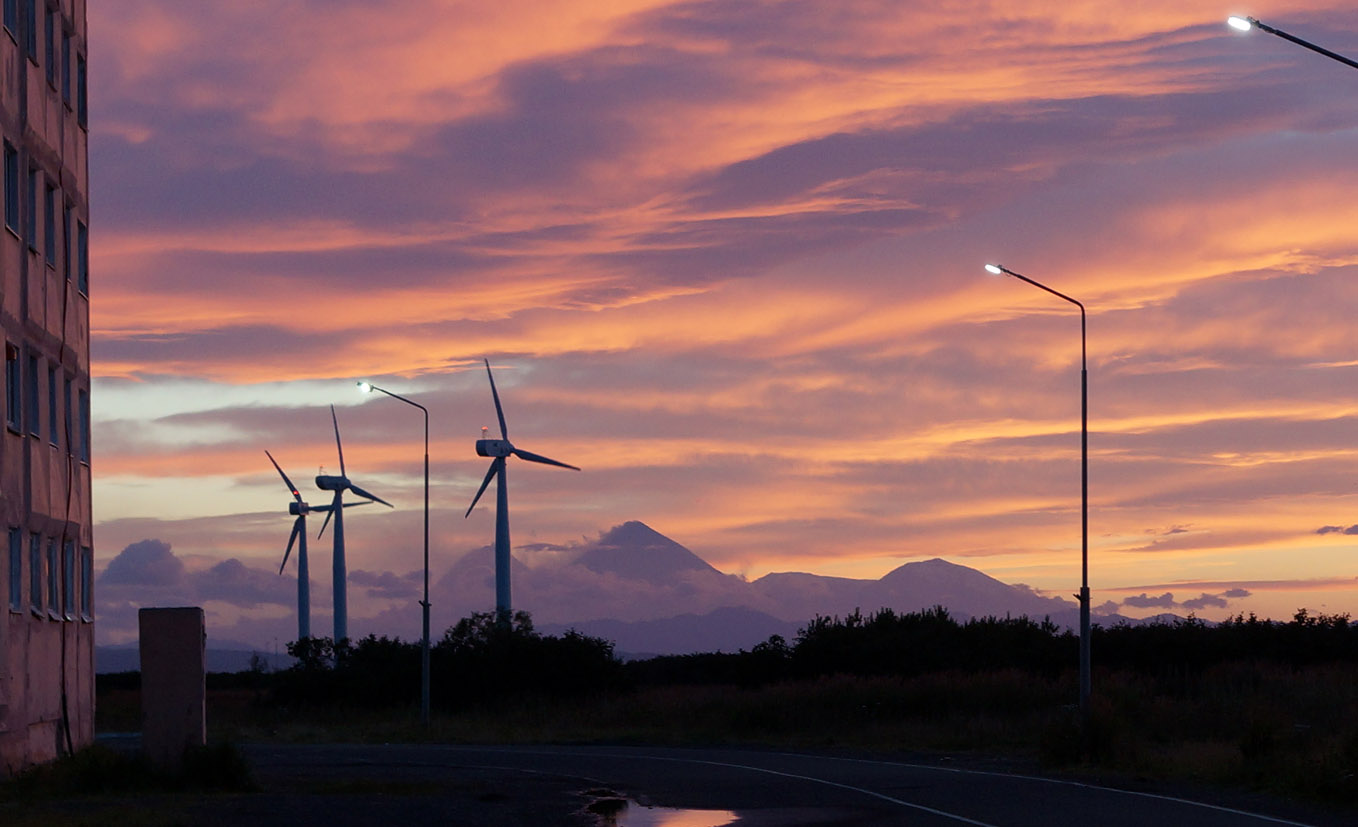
x: 504, y: 431
x: 339, y: 445
x: 373, y: 497
x: 297, y: 528
x: 286, y: 481
x: 348, y: 505
x: 329, y: 512
x: 494, y: 466
x: 532, y: 457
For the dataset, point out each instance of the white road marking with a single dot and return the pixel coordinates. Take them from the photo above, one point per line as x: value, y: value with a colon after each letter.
x: 922, y: 808
x: 1060, y: 781
x: 882, y: 796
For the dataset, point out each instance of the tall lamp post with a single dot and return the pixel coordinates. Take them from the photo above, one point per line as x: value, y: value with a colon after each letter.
x: 1083, y: 596
x: 367, y: 387
x: 1244, y: 24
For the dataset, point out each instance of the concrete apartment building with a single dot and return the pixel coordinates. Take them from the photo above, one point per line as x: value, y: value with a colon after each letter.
x: 46, y: 578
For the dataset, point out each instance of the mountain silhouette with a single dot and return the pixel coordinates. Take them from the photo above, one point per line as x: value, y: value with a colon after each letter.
x: 964, y: 591
x: 650, y: 594
x: 635, y: 551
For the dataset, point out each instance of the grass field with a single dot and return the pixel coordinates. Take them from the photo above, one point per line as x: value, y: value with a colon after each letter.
x: 1255, y: 726
x: 1248, y: 726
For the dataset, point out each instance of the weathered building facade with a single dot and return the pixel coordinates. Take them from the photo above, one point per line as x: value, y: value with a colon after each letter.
x: 46, y: 579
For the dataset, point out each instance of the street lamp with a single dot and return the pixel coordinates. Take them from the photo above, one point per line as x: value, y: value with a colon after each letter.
x: 1083, y: 596
x: 1244, y: 24
x: 367, y: 387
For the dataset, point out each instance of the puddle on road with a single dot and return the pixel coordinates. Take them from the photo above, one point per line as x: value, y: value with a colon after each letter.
x: 635, y: 815
x: 613, y: 810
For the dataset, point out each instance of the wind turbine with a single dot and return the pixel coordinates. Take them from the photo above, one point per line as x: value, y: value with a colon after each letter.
x: 340, y: 484
x: 300, y: 508
x: 500, y: 449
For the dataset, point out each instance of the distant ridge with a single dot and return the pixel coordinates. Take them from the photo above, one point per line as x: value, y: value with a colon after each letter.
x: 109, y: 659
x: 679, y: 603
x: 964, y: 592
x: 729, y: 629
x: 650, y: 594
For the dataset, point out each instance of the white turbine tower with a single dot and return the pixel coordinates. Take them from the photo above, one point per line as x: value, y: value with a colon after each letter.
x: 299, y: 508
x: 500, y: 449
x: 340, y: 484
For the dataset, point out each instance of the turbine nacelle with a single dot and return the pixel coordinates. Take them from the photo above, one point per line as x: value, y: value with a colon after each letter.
x: 494, y: 447
x: 298, y: 508
x: 329, y: 482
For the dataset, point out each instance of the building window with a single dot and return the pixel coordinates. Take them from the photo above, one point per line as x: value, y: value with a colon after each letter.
x: 35, y: 578
x: 86, y: 583
x: 81, y: 96
x: 49, y: 225
x: 31, y: 392
x: 68, y: 580
x: 11, y: 187
x: 31, y: 29
x: 13, y: 397
x: 84, y: 426
x: 53, y: 578
x: 66, y: 255
x: 31, y: 209
x: 50, y: 31
x: 66, y: 68
x: 82, y: 257
x: 16, y: 569
x: 70, y: 414
x: 52, y: 405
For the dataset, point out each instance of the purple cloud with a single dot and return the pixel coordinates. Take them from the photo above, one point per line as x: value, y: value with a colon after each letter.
x: 233, y: 582
x: 146, y: 563
x: 386, y: 584
x: 1205, y: 601
x: 1334, y: 529
x: 1144, y: 601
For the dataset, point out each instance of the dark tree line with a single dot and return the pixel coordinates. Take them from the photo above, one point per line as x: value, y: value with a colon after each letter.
x: 881, y: 643
x: 481, y: 662
x: 914, y: 643
x: 478, y: 661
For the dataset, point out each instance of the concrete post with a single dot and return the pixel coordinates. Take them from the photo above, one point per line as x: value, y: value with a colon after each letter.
x: 173, y: 683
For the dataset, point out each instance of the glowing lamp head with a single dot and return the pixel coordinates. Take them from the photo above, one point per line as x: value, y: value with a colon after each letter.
x: 1243, y: 24
x: 994, y: 269
x: 365, y: 387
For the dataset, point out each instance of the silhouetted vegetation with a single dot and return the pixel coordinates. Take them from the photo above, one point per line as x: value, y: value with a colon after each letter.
x: 919, y: 643
x: 1247, y: 702
x: 99, y: 769
x: 478, y: 661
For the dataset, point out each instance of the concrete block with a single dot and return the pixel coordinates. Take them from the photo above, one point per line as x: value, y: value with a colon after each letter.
x: 173, y: 683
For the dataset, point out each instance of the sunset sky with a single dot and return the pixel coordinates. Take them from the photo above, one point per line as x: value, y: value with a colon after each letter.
x: 727, y: 258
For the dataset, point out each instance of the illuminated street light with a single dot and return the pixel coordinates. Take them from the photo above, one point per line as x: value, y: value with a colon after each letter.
x: 1245, y: 24
x: 1083, y: 596
x: 367, y: 387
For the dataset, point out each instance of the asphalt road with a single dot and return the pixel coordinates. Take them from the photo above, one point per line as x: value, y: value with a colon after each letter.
x: 552, y: 785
